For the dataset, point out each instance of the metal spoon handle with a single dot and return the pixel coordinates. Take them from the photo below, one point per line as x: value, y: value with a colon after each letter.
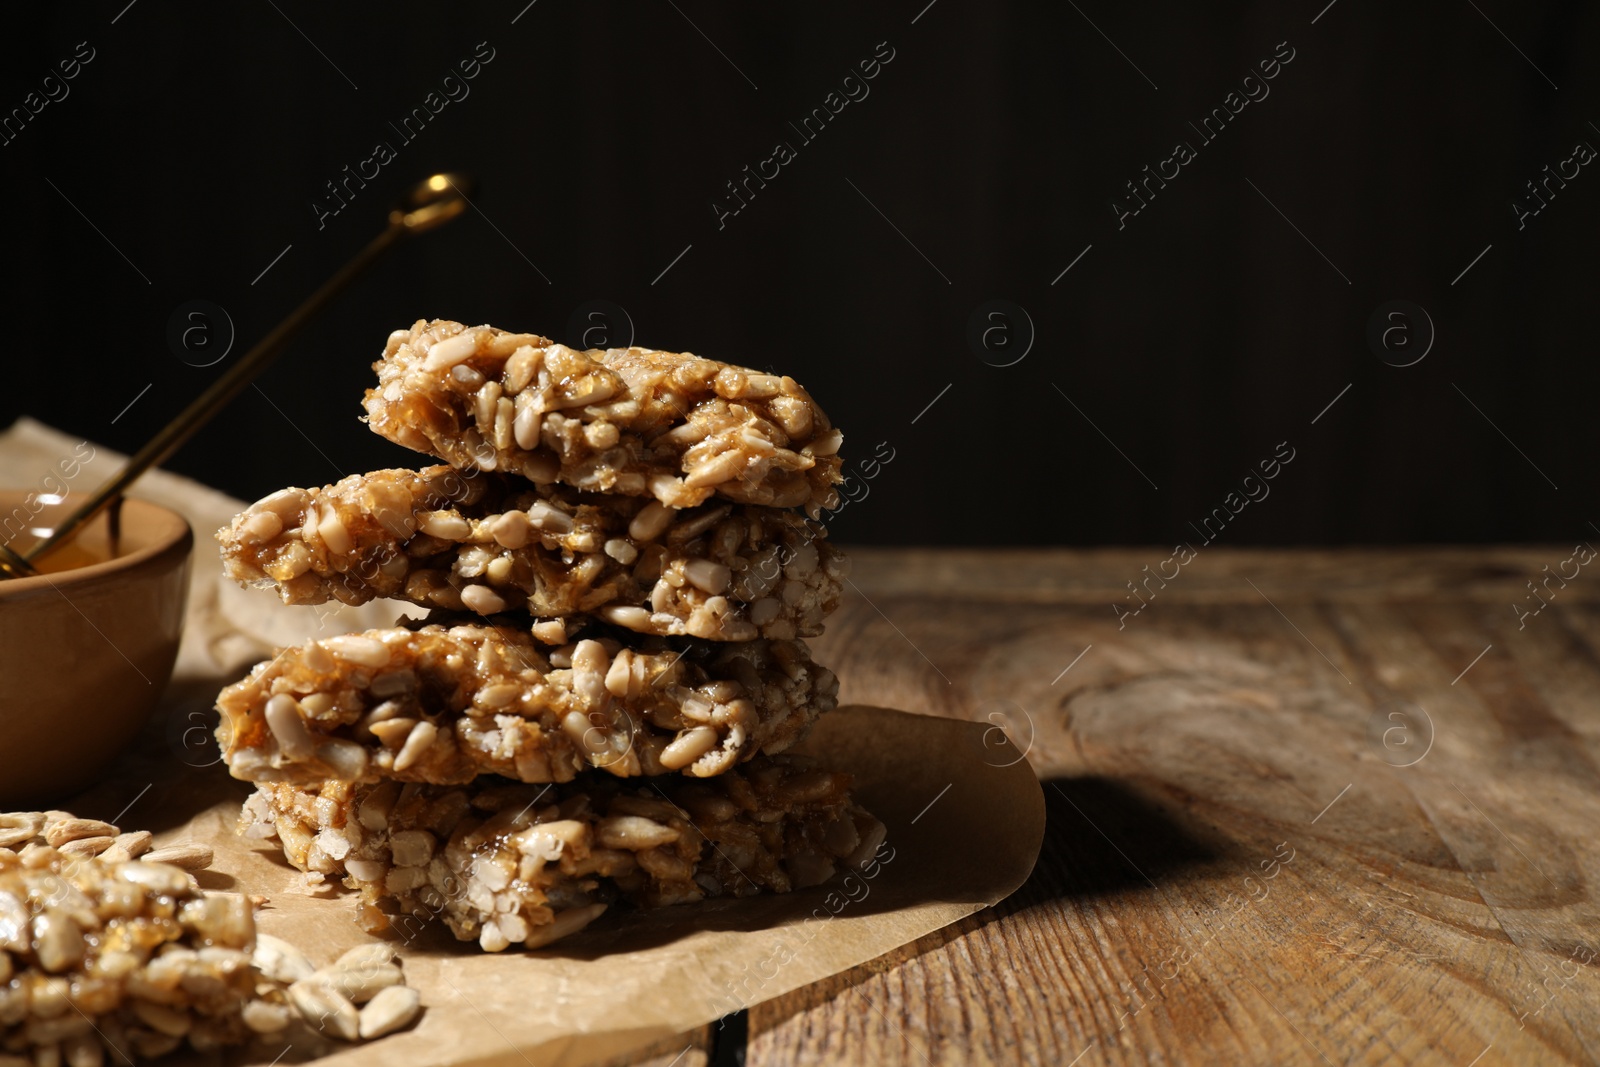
x: 436, y: 200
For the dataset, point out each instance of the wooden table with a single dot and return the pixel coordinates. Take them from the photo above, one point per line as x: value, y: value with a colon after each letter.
x: 1306, y: 807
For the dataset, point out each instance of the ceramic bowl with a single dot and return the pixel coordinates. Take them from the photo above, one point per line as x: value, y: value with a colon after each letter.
x: 87, y: 647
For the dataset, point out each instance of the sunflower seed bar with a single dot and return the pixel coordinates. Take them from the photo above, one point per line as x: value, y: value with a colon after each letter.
x: 507, y: 863
x: 443, y: 704
x: 628, y: 421
x: 490, y: 543
x: 102, y: 957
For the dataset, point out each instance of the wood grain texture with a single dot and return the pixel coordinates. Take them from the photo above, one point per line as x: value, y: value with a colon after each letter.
x: 1316, y: 807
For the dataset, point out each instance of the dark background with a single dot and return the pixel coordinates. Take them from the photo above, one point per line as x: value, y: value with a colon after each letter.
x: 1196, y: 338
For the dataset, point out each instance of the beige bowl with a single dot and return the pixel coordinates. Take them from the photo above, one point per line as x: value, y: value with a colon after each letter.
x: 85, y: 652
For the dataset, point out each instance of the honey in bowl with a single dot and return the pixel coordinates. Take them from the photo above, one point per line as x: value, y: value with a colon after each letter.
x: 90, y: 545
x: 67, y: 556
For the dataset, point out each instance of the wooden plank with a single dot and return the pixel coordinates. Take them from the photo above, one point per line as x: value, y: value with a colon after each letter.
x: 1435, y: 909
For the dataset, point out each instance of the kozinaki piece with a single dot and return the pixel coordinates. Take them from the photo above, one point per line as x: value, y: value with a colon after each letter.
x: 444, y: 704
x: 628, y: 421
x: 506, y: 863
x: 489, y: 543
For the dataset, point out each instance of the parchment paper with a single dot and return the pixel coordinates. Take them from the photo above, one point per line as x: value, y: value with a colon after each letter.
x: 964, y: 812
x: 963, y: 833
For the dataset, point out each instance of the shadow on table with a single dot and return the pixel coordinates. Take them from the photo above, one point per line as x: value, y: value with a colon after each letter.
x: 1102, y: 838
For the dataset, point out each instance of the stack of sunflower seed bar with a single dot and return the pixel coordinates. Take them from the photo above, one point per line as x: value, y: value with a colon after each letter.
x: 622, y: 557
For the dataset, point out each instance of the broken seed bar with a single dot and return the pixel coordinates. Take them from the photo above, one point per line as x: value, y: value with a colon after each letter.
x: 443, y: 704
x: 148, y: 960
x: 98, y: 957
x: 490, y: 543
x: 507, y: 863
x: 628, y: 421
